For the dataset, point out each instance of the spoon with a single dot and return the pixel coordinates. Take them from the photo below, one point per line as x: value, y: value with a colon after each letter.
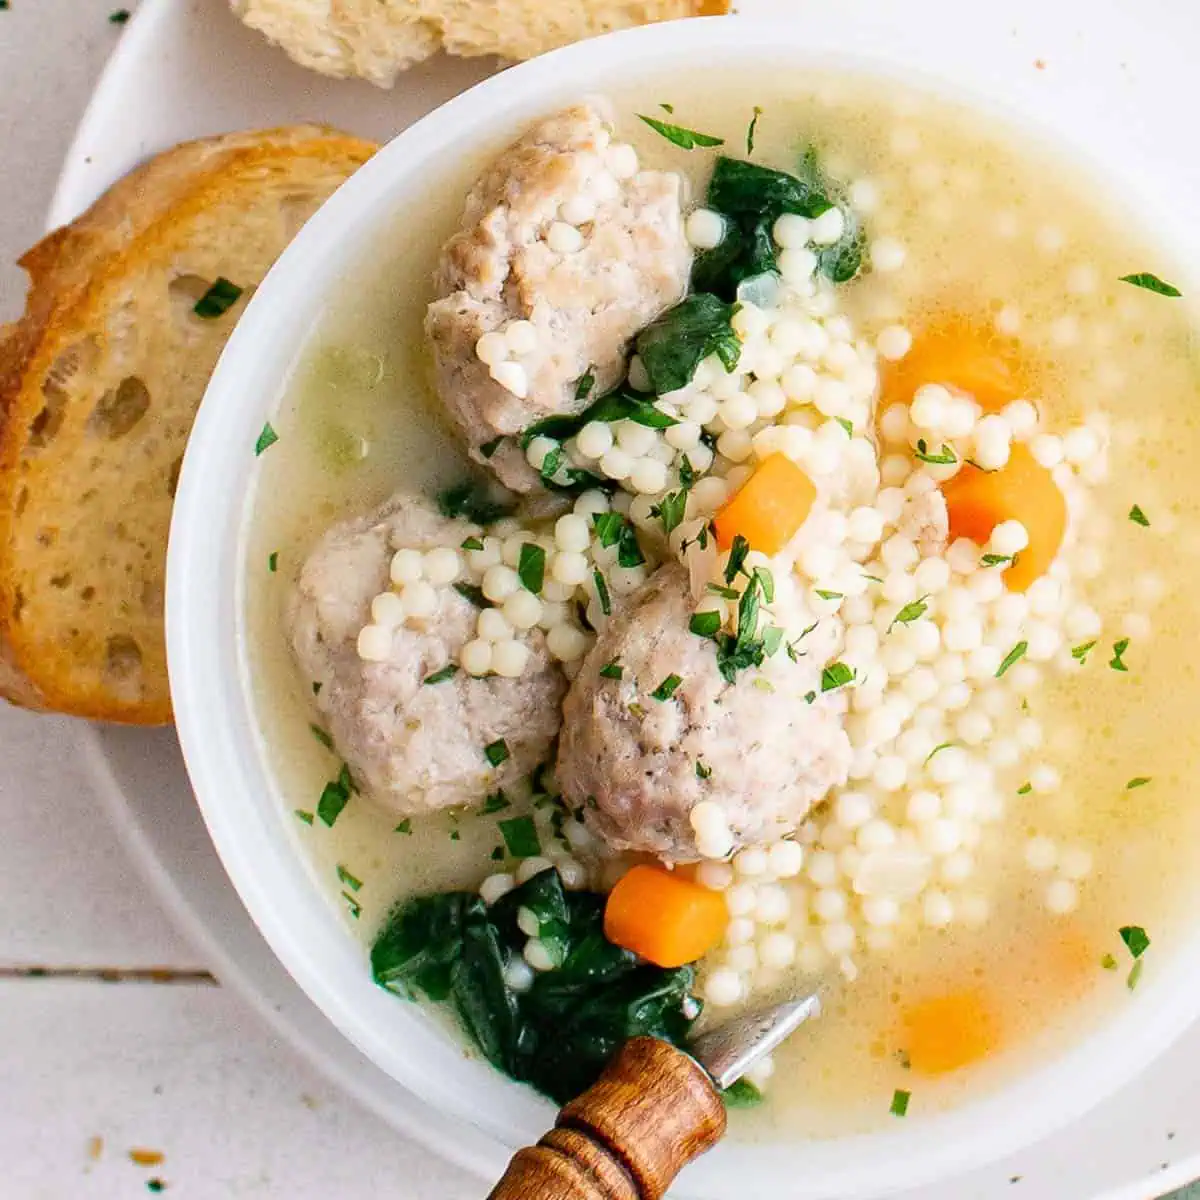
x: 653, y: 1111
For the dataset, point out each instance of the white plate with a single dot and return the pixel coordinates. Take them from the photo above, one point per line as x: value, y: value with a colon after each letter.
x: 183, y: 70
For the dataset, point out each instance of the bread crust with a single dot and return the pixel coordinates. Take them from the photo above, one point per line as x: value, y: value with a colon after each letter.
x: 83, y: 299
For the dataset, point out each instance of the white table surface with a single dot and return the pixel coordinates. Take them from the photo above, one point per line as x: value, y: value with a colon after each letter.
x: 89, y: 1069
x: 183, y: 1068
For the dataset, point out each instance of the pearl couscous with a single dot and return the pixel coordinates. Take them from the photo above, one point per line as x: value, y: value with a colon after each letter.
x: 924, y: 489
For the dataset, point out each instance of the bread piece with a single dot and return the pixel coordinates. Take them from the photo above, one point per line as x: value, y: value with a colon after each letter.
x: 99, y: 383
x: 376, y: 39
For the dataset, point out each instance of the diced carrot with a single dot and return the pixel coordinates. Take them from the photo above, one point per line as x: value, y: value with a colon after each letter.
x: 949, y: 1032
x: 769, y: 507
x: 664, y: 917
x: 963, y: 354
x: 1023, y: 490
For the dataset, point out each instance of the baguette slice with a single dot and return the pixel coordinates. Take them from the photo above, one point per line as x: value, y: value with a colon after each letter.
x: 99, y: 384
x: 376, y: 39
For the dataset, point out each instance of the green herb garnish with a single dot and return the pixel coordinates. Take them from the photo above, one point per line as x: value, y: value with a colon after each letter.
x: 670, y: 510
x: 737, y: 558
x: 612, y: 670
x: 218, y: 300
x: 997, y: 560
x: 496, y: 752
x: 1119, y: 648
x: 447, y: 672
x: 353, y: 905
x: 303, y: 815
x: 614, y: 528
x: 1025, y: 789
x: 1080, y: 653
x: 520, y: 836
x: 753, y: 126
x: 494, y: 803
x: 830, y: 595
x: 913, y: 611
x: 266, y: 439
x: 705, y: 624
x: 741, y: 1094
x: 119, y: 17
x: 584, y: 385
x: 273, y: 561
x: 836, y: 675
x: 470, y: 501
x: 900, y: 1099
x: 1152, y: 283
x: 405, y: 826
x: 667, y: 688
x: 1014, y: 655
x: 344, y: 876
x: 685, y: 139
x: 531, y: 567
x: 703, y: 771
x: 322, y: 736
x: 602, y: 591
x: 1137, y: 782
x: 944, y: 458
x: 335, y: 797
x: 1108, y: 962
x: 472, y: 543
x: 1135, y: 939
x: 1138, y: 517
x: 474, y: 593
x: 846, y: 424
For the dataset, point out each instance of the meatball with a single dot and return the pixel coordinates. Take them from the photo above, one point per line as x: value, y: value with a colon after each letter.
x: 636, y: 765
x: 413, y: 747
x: 565, y: 235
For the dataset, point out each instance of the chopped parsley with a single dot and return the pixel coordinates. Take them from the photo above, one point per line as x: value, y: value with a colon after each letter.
x: 490, y: 448
x: 1152, y: 283
x: 766, y: 581
x: 913, y: 611
x: 218, y: 300
x: 737, y: 558
x: 900, y: 1099
x: 1138, y: 517
x: 119, y: 17
x: 677, y: 135
x: 937, y: 750
x: 738, y: 651
x: 944, y: 458
x: 1025, y: 789
x: 702, y: 770
x: 498, y: 854
x: 1080, y: 653
x: 772, y: 639
x: 667, y: 688
x: 351, y: 881
x: 1119, y: 648
x: 353, y: 905
x: 1135, y: 939
x: 615, y: 529
x: 447, y: 672
x: 473, y: 593
x: 469, y: 500
x: 304, y: 815
x: 997, y: 560
x: 830, y: 595
x: 335, y: 797
x: 836, y: 675
x: 667, y: 108
x: 1013, y: 656
x: 1108, y: 962
x: 455, y: 836
x: 602, y: 591
x: 1137, y: 782
x: 726, y: 593
x: 322, y: 736
x: 670, y: 511
x: 496, y: 752
x: 584, y: 385
x: 273, y: 561
x: 496, y: 802
x: 612, y: 670
x: 520, y: 836
x: 750, y: 130
x: 472, y: 543
x: 266, y: 439
x: 531, y: 567
x: 705, y: 624
x: 405, y: 826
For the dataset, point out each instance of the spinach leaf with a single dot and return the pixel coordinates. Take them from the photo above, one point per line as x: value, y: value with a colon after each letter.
x: 622, y: 404
x: 560, y: 1034
x: 752, y: 198
x: 470, y: 499
x: 674, y: 346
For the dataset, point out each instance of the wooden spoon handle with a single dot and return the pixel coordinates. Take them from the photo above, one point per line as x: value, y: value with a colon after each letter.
x: 628, y: 1136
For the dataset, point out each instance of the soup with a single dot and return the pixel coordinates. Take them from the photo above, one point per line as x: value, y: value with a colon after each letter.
x: 962, y: 459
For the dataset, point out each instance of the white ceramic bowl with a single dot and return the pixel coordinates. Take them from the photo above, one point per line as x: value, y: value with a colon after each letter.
x: 230, y: 767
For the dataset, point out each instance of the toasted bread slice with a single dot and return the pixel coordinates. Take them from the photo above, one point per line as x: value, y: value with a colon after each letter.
x: 376, y: 39
x: 99, y: 383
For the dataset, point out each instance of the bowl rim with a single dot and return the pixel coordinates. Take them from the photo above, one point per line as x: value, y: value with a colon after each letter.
x: 226, y: 757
